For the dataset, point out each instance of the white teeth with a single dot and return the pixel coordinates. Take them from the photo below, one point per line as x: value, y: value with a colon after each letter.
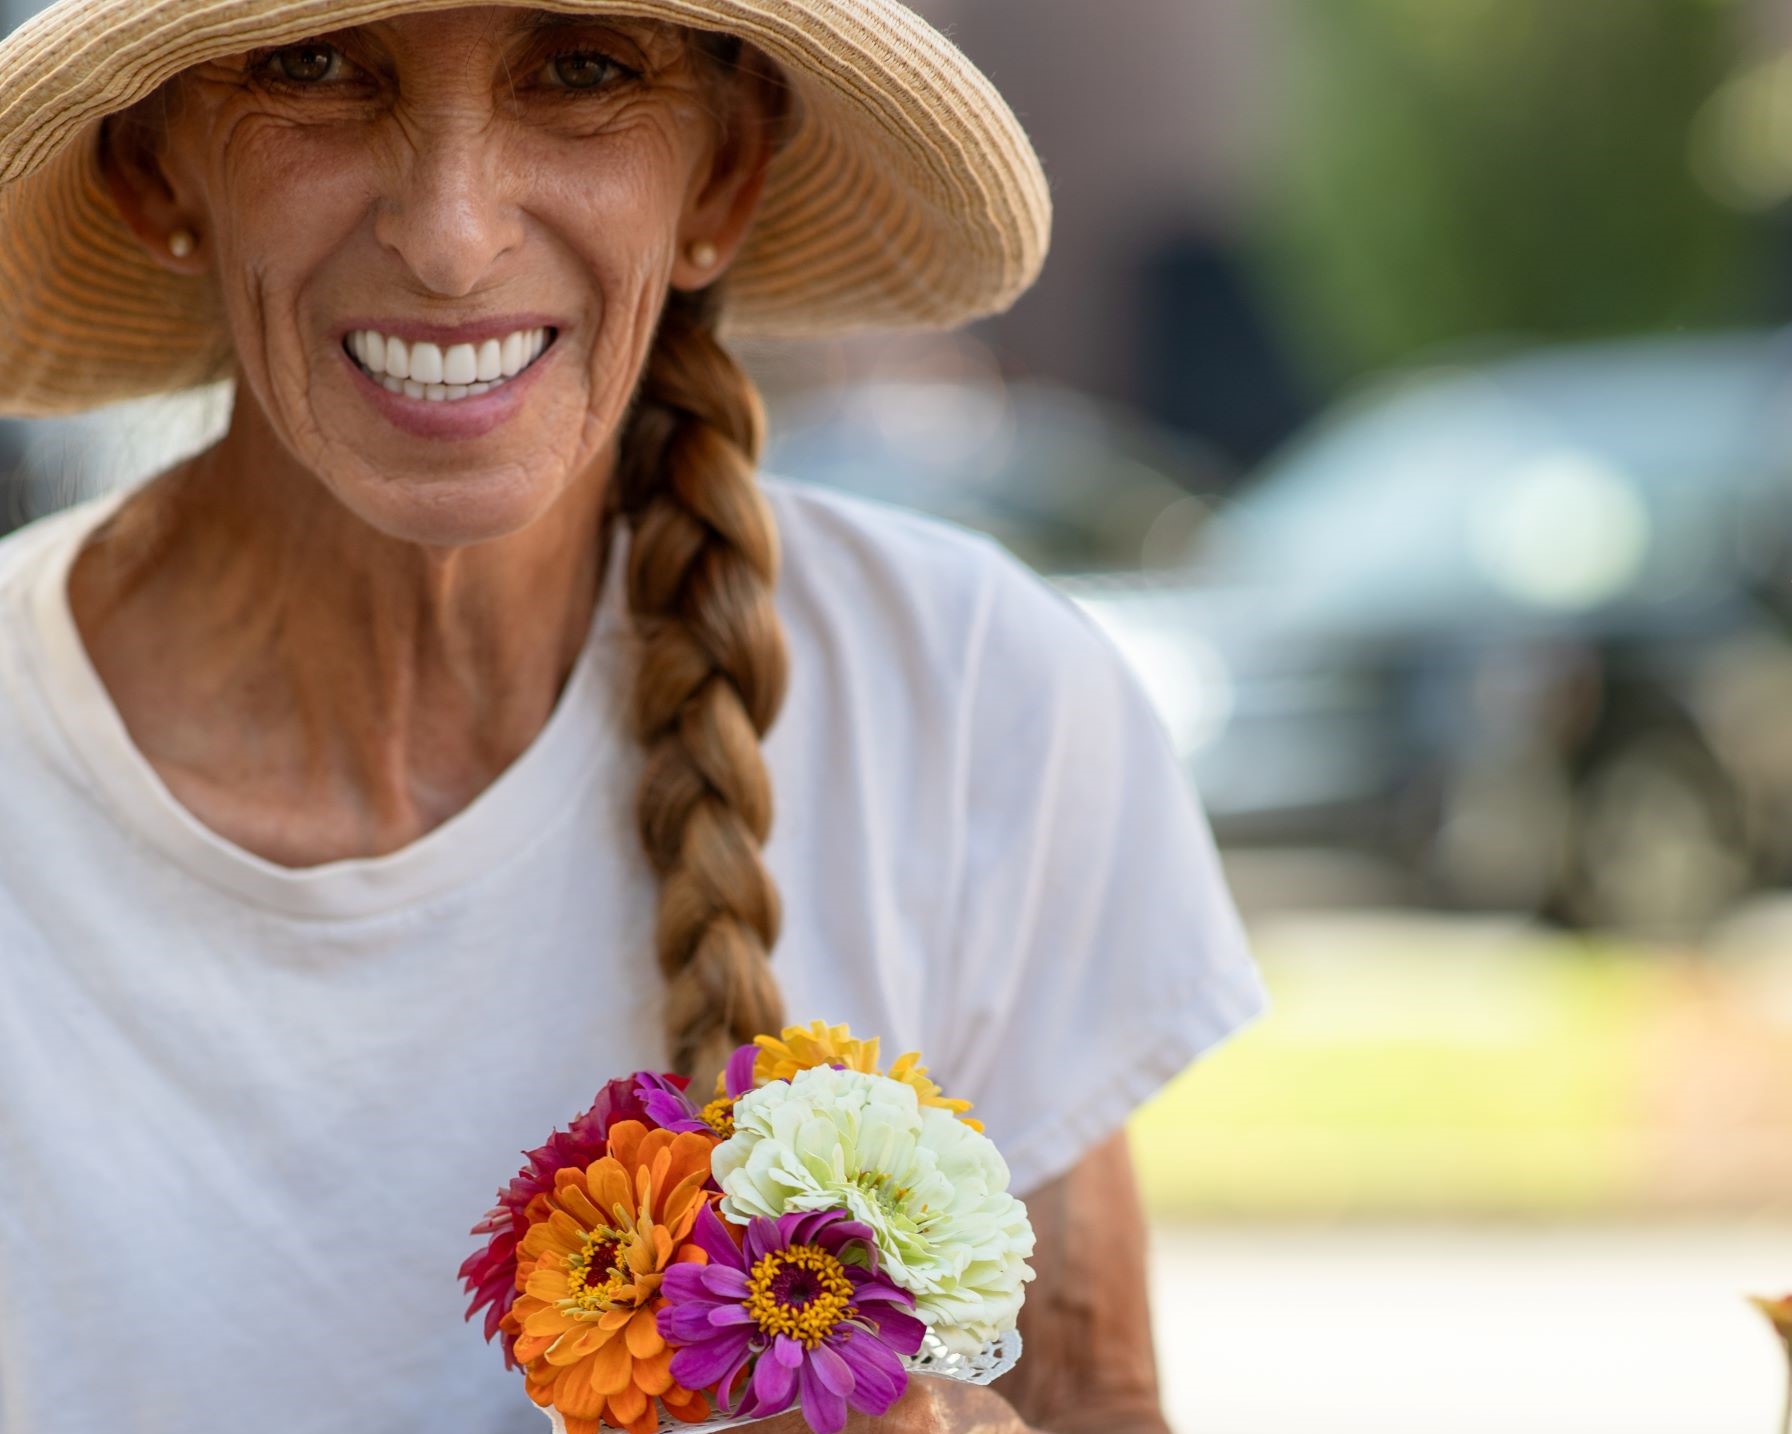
x: 425, y: 370
x: 426, y: 363
x: 460, y: 365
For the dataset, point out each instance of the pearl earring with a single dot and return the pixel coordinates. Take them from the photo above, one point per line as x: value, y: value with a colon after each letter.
x: 182, y: 242
x: 703, y: 254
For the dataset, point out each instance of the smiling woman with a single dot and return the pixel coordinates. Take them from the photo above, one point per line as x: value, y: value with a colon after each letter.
x: 355, y: 765
x: 438, y: 234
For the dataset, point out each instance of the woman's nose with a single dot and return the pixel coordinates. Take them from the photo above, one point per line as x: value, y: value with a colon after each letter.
x: 451, y: 217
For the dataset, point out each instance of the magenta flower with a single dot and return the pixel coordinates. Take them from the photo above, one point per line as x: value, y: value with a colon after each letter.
x: 671, y: 1108
x: 790, y: 1312
x: 490, y: 1274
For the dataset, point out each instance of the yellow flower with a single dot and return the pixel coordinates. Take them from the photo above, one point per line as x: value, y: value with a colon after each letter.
x: 800, y: 1048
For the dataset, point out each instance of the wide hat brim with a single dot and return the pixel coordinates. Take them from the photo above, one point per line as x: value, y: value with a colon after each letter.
x: 905, y: 194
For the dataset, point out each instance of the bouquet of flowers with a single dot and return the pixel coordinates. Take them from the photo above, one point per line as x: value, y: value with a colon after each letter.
x: 808, y: 1237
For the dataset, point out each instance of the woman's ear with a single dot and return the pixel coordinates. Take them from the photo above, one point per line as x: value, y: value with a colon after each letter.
x: 724, y: 199
x: 131, y: 148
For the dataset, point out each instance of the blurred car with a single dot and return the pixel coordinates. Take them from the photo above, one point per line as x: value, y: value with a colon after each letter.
x: 1066, y: 482
x: 1521, y: 626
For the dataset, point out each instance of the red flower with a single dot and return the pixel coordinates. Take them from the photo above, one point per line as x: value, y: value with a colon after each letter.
x: 490, y: 1274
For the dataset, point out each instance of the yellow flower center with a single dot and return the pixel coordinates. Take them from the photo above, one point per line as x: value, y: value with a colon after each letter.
x: 718, y: 1115
x: 802, y: 1292
x: 602, y: 1257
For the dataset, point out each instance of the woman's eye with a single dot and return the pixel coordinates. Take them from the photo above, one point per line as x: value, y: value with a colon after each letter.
x: 308, y: 64
x: 583, y: 70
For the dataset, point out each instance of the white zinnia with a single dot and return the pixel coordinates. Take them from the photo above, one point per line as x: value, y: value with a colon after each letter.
x: 934, y: 1190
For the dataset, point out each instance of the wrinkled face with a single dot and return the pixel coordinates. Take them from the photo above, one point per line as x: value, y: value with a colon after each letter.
x: 442, y: 242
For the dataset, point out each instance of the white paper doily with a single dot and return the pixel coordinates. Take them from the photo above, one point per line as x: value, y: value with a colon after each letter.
x: 984, y: 1367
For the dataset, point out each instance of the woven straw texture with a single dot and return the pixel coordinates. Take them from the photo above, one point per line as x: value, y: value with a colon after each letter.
x: 905, y: 196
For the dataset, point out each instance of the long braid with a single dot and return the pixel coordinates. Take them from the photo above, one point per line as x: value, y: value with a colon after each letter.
x: 703, y: 562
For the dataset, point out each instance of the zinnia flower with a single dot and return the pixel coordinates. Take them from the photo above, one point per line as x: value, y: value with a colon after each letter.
x: 933, y: 1191
x: 801, y: 1048
x: 670, y: 1108
x: 803, y: 1304
x: 591, y: 1272
x: 490, y: 1274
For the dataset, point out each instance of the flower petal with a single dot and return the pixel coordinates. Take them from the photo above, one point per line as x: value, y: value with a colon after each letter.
x: 686, y: 1323
x: 774, y: 1383
x: 688, y: 1411
x: 762, y: 1238
x: 627, y: 1405
x: 701, y: 1366
x: 897, y: 1328
x: 738, y: 1076
x: 643, y: 1336
x: 787, y: 1351
x: 822, y: 1407
x: 610, y: 1368
x: 879, y: 1377
x: 725, y: 1281
x: 654, y: 1376
x: 711, y: 1233
x: 685, y: 1282
x: 830, y: 1369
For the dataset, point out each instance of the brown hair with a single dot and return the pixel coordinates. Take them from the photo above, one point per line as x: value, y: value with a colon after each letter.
x: 702, y: 564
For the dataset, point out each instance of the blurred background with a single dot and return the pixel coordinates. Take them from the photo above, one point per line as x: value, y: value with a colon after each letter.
x: 1409, y: 396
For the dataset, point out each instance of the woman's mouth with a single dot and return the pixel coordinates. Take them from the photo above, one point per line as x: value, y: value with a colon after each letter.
x: 445, y: 375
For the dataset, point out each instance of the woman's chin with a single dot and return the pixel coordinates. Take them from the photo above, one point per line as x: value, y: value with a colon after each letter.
x: 451, y: 510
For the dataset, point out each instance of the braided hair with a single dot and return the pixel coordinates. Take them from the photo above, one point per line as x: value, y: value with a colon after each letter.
x: 702, y: 565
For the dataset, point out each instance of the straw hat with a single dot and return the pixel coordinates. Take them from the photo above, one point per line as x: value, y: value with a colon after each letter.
x: 906, y: 195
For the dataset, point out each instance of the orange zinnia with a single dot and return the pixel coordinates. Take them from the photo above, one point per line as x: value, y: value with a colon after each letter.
x: 590, y: 1270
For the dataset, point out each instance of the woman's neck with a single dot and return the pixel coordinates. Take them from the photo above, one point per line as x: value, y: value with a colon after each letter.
x: 309, y: 687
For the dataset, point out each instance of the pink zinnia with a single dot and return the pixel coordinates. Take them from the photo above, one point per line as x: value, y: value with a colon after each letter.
x: 671, y: 1108
x: 788, y: 1311
x: 490, y: 1274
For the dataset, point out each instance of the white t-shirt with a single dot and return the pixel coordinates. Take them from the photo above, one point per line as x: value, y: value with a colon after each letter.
x: 249, y: 1113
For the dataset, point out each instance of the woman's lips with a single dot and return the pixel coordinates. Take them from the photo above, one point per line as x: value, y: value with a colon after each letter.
x: 454, y: 390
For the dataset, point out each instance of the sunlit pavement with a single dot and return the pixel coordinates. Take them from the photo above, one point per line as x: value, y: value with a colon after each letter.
x: 1470, y: 1331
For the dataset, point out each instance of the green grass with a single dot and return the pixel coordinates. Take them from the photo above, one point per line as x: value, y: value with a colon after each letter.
x: 1417, y: 1081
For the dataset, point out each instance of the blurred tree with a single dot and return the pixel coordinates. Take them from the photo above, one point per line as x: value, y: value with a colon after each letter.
x: 1449, y: 169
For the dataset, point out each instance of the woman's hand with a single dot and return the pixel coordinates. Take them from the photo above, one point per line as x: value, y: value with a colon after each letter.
x: 930, y: 1405
x: 1087, y: 1365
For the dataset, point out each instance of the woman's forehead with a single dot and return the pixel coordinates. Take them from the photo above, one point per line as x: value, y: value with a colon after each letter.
x: 500, y: 24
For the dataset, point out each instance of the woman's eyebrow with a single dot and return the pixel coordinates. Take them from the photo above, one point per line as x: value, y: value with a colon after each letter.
x: 639, y: 29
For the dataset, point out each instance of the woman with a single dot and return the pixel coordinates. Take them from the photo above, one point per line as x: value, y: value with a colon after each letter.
x: 355, y: 765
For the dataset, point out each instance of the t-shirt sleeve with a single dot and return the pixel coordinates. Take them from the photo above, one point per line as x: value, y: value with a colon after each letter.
x: 1097, y: 949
